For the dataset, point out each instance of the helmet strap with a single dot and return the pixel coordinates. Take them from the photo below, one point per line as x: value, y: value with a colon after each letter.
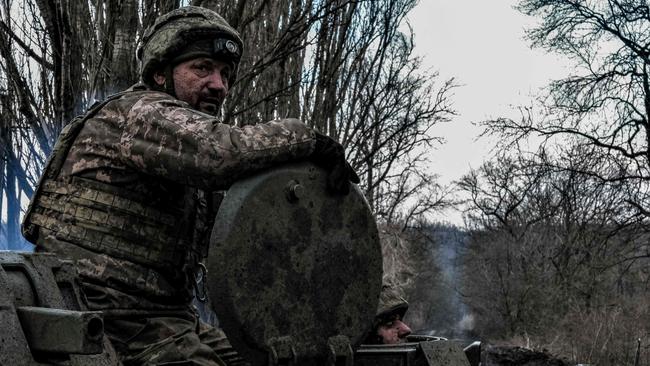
x: 169, y: 81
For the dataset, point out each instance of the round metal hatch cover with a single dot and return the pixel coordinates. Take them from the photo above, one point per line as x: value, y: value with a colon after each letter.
x: 289, y: 259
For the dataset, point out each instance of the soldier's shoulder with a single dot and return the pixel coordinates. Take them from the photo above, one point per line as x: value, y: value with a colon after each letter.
x: 139, y: 101
x: 124, y: 102
x: 141, y: 91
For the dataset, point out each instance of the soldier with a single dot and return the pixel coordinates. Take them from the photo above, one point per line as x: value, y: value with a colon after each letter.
x: 125, y: 193
x: 389, y: 327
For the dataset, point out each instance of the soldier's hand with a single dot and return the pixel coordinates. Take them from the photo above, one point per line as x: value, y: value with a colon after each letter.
x: 330, y: 155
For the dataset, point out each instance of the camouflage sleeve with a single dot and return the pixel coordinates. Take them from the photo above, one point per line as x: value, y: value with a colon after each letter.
x: 164, y: 137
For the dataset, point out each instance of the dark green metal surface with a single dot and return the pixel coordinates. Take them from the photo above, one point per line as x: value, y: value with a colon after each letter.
x: 292, y: 263
x: 426, y: 351
x: 62, y: 331
x: 41, y: 317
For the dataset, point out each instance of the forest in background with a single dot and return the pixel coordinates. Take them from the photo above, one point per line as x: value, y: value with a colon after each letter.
x: 555, y: 250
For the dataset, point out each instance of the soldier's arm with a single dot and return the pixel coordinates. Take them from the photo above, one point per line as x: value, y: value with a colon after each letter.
x: 164, y: 137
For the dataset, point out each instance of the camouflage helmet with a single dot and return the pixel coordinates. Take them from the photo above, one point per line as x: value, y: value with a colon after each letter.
x: 391, y: 302
x: 164, y: 42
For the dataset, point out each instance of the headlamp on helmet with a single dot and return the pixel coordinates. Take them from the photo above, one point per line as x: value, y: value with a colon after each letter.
x: 219, y: 48
x: 226, y: 48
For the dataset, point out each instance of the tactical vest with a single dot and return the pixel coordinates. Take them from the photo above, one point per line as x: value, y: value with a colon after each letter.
x: 103, y: 218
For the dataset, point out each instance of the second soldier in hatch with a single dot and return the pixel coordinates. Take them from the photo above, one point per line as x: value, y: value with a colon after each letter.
x: 125, y: 193
x: 389, y: 326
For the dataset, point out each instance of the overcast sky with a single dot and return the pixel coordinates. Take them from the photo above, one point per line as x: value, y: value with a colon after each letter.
x: 481, y: 44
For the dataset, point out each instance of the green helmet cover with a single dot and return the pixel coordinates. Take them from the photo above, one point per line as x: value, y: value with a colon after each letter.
x: 391, y: 302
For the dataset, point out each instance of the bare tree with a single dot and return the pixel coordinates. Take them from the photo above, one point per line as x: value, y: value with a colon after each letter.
x: 606, y: 102
x: 344, y: 68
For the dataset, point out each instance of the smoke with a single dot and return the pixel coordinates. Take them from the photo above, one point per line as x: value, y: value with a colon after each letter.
x: 448, y: 315
x: 466, y: 324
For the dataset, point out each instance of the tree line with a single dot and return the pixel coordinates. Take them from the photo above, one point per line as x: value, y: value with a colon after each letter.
x: 558, y: 248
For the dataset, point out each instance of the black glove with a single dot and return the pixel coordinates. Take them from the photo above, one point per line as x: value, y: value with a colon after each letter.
x: 330, y: 155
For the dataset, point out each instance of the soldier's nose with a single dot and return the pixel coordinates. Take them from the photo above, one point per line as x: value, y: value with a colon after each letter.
x: 403, y: 329
x: 216, y: 81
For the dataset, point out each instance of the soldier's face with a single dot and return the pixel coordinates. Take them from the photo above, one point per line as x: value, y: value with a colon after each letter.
x: 202, y: 82
x: 393, y: 331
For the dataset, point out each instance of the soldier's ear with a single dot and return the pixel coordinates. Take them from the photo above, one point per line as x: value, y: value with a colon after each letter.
x: 159, y: 78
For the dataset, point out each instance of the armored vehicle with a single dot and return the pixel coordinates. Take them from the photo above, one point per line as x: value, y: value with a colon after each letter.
x: 293, y: 272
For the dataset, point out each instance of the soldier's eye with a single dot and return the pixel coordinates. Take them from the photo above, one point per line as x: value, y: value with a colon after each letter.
x: 202, y: 69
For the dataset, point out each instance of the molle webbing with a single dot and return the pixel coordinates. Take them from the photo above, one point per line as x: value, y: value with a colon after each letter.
x: 101, y: 217
x: 56, y: 159
x: 84, y: 213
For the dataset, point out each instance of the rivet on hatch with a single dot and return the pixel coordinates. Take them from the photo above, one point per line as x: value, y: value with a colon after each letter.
x: 294, y: 191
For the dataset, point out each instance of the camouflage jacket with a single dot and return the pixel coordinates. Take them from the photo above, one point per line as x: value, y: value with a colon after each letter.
x: 142, y: 159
